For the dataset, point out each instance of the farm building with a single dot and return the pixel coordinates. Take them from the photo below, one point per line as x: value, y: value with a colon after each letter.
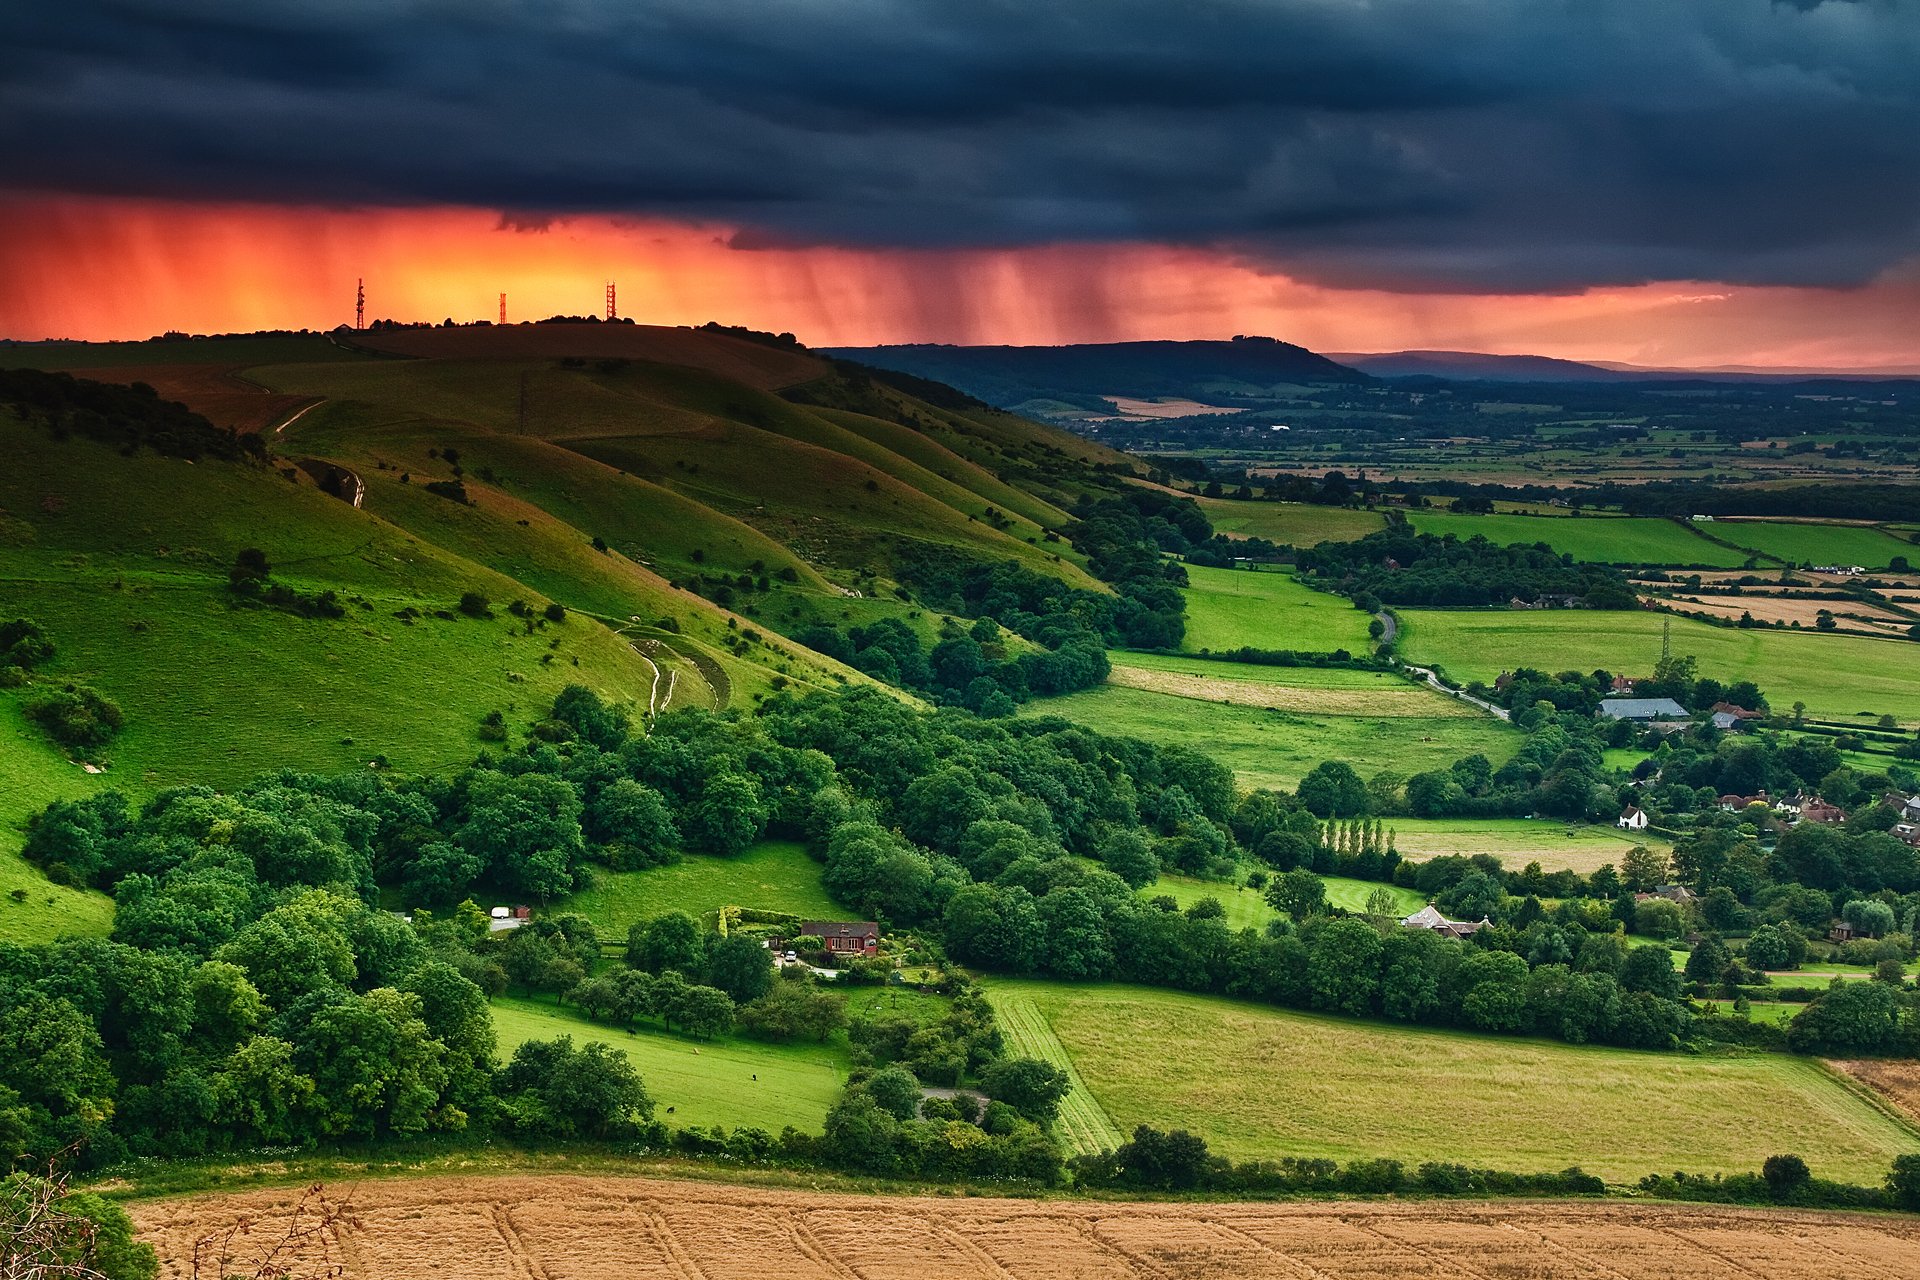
x: 1428, y: 917
x: 1642, y: 709
x: 845, y: 937
x: 1632, y: 818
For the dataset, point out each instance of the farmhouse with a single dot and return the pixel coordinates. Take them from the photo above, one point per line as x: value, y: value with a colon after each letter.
x: 845, y: 937
x: 1641, y: 709
x: 1428, y: 917
x: 1727, y: 721
x: 1632, y: 818
x: 1623, y: 685
x: 1909, y: 832
x: 1818, y: 810
x: 1736, y: 710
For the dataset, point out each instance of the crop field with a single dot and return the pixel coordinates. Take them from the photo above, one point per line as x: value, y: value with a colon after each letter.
x: 1799, y: 543
x: 1602, y: 539
x: 1297, y: 523
x: 570, y: 1227
x: 1260, y: 1083
x: 1838, y: 677
x: 1331, y: 691
x: 1232, y: 608
x: 1555, y: 845
x: 732, y: 1082
x: 774, y: 875
x: 1803, y: 610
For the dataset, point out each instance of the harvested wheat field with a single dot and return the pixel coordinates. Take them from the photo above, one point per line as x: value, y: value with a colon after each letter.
x: 1261, y: 687
x: 583, y: 1228
x: 1895, y: 1080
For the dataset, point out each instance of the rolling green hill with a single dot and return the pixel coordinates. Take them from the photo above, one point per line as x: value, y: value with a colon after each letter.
x: 690, y: 499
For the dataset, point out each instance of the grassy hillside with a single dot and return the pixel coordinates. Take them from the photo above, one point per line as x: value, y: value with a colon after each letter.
x: 1838, y: 677
x: 1262, y: 1083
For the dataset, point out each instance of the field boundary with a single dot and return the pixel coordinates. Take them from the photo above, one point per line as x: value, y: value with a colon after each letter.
x: 1084, y: 1124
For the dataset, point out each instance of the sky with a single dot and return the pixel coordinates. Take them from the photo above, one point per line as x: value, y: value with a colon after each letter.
x: 1715, y: 182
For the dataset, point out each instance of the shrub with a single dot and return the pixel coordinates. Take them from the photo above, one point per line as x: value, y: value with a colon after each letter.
x: 76, y: 717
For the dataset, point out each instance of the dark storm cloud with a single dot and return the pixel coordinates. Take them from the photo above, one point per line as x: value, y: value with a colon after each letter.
x: 1530, y: 144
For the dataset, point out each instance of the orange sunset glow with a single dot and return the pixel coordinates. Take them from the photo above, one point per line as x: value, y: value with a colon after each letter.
x: 101, y: 269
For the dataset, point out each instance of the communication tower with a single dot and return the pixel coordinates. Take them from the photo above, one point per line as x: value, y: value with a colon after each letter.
x: 503, y: 308
x: 613, y: 311
x: 360, y: 304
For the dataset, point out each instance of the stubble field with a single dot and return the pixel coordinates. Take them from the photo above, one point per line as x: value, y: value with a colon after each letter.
x: 599, y: 1228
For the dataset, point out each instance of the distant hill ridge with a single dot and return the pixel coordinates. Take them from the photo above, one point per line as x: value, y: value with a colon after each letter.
x: 1007, y: 376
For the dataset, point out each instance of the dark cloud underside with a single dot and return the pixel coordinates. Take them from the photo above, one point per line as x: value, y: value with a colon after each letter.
x: 1480, y: 144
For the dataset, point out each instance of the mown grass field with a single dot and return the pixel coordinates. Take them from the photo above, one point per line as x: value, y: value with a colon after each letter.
x: 1838, y: 677
x: 1603, y: 539
x: 1273, y: 748
x: 1297, y: 523
x: 1331, y: 691
x: 1235, y: 608
x: 706, y: 1083
x: 1808, y: 544
x: 1262, y: 1083
x: 775, y: 875
x: 1555, y: 845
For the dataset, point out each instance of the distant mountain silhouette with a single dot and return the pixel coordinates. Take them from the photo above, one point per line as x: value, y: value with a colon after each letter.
x: 1081, y: 374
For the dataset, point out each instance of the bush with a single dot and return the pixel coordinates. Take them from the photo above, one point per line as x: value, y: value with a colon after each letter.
x: 76, y: 717
x: 475, y: 605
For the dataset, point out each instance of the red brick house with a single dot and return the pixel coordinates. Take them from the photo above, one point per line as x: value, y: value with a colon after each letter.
x: 845, y: 937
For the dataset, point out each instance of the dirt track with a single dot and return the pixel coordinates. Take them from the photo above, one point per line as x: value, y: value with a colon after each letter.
x: 600, y: 1228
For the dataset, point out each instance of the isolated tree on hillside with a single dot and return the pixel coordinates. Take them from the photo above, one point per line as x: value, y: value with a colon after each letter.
x: 1299, y: 893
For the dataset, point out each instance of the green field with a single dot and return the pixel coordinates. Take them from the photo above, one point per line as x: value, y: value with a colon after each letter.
x: 1267, y: 747
x: 1262, y: 1083
x: 1236, y: 608
x: 774, y: 875
x: 705, y: 1083
x: 1555, y: 845
x: 1289, y: 522
x: 1808, y: 544
x: 32, y: 775
x: 1838, y: 677
x: 1247, y: 909
x: 1602, y: 539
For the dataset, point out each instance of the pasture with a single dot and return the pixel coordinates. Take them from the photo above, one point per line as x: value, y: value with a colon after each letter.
x: 1261, y: 1083
x: 570, y: 1227
x: 1644, y: 540
x: 705, y: 1082
x: 1295, y: 523
x: 1555, y: 845
x: 1268, y: 747
x: 1837, y: 676
x: 1235, y: 608
x: 1313, y: 690
x: 1807, y: 544
x: 774, y: 875
x: 1247, y: 909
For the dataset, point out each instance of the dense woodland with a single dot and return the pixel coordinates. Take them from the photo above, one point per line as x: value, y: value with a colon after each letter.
x: 1400, y: 567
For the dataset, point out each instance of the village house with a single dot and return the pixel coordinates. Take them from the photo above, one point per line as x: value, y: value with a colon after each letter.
x: 1818, y: 810
x: 1677, y: 894
x: 1734, y: 804
x: 1727, y: 722
x: 1737, y: 711
x: 1623, y: 685
x: 1907, y: 832
x: 844, y: 937
x: 1632, y: 818
x: 1641, y: 710
x: 1428, y: 917
x: 1908, y: 807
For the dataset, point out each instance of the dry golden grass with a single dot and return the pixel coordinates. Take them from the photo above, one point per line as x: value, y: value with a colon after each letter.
x: 1897, y: 1082
x: 603, y: 1228
x: 1391, y: 700
x: 1804, y: 611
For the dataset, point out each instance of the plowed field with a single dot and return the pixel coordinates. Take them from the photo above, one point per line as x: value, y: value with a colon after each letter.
x: 573, y: 1228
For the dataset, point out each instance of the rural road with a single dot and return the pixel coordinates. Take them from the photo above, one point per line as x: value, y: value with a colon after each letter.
x: 1392, y: 626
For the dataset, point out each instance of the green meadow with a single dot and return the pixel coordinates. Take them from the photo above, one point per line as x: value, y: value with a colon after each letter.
x: 1838, y: 677
x: 734, y: 1082
x: 1809, y: 544
x: 1263, y: 1083
x: 1247, y: 909
x: 1602, y: 539
x: 1240, y: 608
x: 774, y: 875
x: 1295, y: 523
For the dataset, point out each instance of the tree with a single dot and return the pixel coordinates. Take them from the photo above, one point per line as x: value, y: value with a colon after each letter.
x: 1869, y: 916
x: 1643, y: 868
x: 730, y: 814
x: 527, y: 828
x: 1785, y: 1176
x: 591, y: 719
x: 1128, y: 855
x: 674, y: 940
x: 376, y: 1069
x: 76, y: 717
x: 48, y: 1231
x: 1343, y: 967
x: 1493, y: 990
x: 1076, y: 943
x: 250, y: 570
x: 1030, y: 1086
x: 1650, y: 969
x: 1176, y: 1161
x: 1903, y: 1182
x: 1657, y: 918
x: 1709, y: 961
x: 1299, y: 893
x: 551, y: 1088
x: 634, y: 822
x: 794, y: 1010
x: 1333, y: 790
x: 740, y: 966
x: 895, y: 1091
